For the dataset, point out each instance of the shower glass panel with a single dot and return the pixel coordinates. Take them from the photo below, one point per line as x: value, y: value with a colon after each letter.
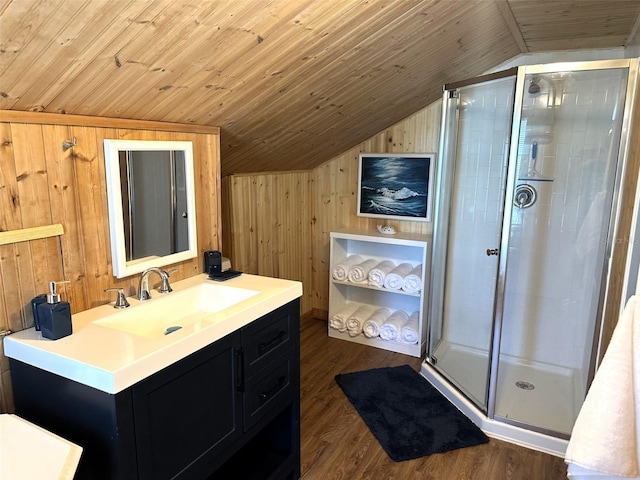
x: 470, y: 200
x: 569, y: 135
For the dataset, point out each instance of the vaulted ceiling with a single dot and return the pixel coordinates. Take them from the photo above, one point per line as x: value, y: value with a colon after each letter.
x: 291, y: 83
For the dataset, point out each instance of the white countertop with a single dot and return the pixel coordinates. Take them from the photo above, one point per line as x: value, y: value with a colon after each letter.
x: 28, y: 452
x: 111, y: 360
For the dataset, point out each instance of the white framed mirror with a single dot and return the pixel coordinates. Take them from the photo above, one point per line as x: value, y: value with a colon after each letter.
x: 151, y: 199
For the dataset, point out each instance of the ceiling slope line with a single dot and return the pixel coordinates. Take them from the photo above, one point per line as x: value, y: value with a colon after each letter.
x: 634, y: 36
x: 512, y: 24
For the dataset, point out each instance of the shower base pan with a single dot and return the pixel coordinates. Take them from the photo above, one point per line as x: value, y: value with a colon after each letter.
x: 522, y: 385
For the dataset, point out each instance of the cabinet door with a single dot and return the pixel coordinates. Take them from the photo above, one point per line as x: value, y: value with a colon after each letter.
x: 189, y: 412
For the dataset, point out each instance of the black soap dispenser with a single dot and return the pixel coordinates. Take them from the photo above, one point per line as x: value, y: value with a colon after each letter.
x: 54, y: 316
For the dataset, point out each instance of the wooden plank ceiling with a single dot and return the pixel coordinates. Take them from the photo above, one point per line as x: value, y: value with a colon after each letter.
x: 291, y: 83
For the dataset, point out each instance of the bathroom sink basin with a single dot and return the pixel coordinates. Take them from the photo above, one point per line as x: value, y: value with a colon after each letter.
x: 165, y: 314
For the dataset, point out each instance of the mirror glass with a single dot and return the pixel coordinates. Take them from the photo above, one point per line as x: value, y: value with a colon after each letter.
x: 151, y: 198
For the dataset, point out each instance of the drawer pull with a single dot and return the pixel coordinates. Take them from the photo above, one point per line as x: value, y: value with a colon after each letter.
x: 264, y: 396
x: 239, y: 380
x: 271, y: 344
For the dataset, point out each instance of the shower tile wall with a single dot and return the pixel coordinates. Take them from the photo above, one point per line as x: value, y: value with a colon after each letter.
x: 556, y: 246
x: 555, y: 239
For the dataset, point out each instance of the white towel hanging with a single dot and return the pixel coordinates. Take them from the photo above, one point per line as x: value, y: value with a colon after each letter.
x: 606, y: 435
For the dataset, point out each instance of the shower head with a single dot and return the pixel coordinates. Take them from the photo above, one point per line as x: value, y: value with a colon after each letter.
x: 534, y: 86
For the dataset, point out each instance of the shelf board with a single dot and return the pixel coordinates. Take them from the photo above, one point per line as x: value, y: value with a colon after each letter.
x: 365, y: 285
x: 413, y: 350
x: 400, y: 238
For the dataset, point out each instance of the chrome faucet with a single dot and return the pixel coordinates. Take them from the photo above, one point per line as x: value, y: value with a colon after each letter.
x: 143, y: 286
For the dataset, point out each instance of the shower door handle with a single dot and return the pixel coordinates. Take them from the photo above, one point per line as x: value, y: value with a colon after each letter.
x: 493, y: 251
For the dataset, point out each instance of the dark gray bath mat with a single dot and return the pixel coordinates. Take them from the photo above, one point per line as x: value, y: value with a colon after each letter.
x: 407, y: 415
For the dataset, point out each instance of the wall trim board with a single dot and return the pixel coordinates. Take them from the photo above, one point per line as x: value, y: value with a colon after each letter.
x: 319, y: 314
x: 33, y: 233
x: 42, y: 118
x: 272, y: 172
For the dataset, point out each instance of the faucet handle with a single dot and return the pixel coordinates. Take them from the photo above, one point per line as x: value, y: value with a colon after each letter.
x: 166, y: 286
x: 121, y: 301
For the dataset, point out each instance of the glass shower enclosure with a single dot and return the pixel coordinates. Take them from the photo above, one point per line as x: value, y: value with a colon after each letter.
x: 529, y: 175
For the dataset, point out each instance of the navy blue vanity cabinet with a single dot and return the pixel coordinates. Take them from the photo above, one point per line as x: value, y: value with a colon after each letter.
x: 189, y: 411
x: 229, y: 410
x: 99, y: 422
x: 270, y: 400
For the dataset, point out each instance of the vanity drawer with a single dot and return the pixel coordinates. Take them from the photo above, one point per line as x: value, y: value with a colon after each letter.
x: 268, y: 337
x: 266, y: 392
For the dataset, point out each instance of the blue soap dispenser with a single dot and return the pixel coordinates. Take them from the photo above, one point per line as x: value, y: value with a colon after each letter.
x: 54, y: 316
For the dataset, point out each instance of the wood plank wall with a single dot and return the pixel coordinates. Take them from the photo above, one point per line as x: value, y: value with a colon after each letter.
x: 279, y: 223
x: 267, y: 226
x: 40, y: 184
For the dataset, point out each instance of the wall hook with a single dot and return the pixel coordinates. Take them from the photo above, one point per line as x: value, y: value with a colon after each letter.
x: 66, y: 144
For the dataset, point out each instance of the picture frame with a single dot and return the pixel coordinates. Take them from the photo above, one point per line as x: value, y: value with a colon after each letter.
x: 396, y: 186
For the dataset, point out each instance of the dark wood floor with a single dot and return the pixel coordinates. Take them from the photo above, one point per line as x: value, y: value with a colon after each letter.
x: 336, y: 444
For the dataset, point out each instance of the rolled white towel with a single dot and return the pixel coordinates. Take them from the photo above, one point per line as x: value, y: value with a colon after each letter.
x: 377, y: 274
x: 409, y: 331
x: 373, y: 324
x: 360, y: 273
x: 339, y: 319
x: 356, y: 320
x: 413, y: 281
x: 340, y: 271
x: 395, y: 278
x: 391, y: 327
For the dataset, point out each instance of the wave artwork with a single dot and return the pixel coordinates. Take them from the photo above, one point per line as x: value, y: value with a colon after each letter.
x: 393, y: 186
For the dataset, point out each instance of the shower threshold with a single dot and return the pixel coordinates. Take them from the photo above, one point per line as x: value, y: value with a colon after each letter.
x: 548, y: 401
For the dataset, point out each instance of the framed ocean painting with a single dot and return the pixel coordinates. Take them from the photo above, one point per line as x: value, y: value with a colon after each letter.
x: 396, y: 185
